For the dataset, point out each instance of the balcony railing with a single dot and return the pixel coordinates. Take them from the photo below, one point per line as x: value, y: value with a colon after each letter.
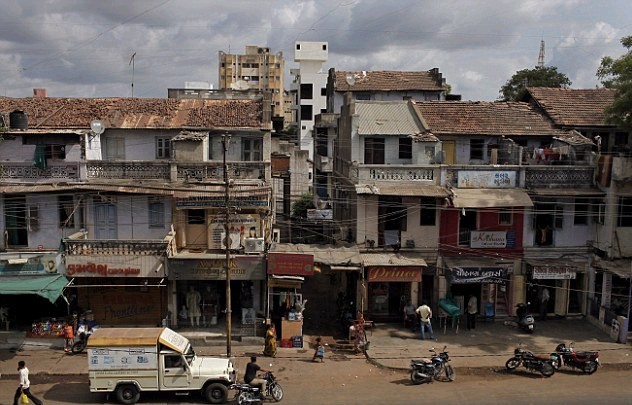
x: 115, y: 247
x: 133, y: 170
x: 559, y: 176
x: 360, y: 173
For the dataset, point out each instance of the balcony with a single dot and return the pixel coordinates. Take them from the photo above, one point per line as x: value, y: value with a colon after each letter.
x: 161, y: 171
x: 324, y: 164
x: 531, y: 177
x: 361, y: 173
x: 115, y: 247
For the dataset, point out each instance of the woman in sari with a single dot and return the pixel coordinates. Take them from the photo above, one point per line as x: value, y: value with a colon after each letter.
x: 270, y: 349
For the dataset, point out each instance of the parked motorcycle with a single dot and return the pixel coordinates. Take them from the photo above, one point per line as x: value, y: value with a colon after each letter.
x: 435, y: 368
x: 532, y: 362
x: 588, y: 362
x: 251, y: 394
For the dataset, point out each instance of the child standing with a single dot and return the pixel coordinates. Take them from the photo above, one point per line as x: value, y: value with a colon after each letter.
x: 320, y: 350
x: 68, y: 337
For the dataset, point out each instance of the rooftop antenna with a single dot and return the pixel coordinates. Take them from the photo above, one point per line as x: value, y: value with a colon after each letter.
x: 131, y: 62
x: 541, y: 55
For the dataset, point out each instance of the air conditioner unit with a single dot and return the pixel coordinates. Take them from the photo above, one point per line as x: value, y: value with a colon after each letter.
x: 235, y: 241
x: 253, y: 245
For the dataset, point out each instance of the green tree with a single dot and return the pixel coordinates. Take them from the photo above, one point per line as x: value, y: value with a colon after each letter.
x: 300, y: 207
x: 540, y: 76
x: 617, y: 74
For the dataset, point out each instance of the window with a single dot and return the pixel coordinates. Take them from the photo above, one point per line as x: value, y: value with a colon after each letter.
x: 430, y: 152
x: 114, y: 148
x: 196, y: 217
x: 251, y: 150
x: 476, y: 149
x: 374, y: 151
x: 625, y: 212
x: 307, y: 91
x: 66, y: 211
x: 505, y: 218
x: 163, y: 148
x: 306, y: 113
x: 363, y: 96
x: 581, y: 214
x: 55, y: 152
x: 405, y: 148
x: 298, y: 47
x: 558, y: 216
x: 156, y: 208
x: 323, y: 91
x: 324, y: 47
x: 428, y: 214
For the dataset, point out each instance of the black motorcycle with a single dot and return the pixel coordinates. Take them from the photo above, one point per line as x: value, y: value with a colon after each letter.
x: 80, y: 344
x: 251, y: 394
x: 435, y: 368
x: 532, y: 362
x: 588, y: 362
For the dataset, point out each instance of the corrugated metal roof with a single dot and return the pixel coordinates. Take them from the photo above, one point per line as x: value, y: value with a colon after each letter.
x: 386, y: 118
x: 325, y: 254
x: 490, y: 197
x: 391, y: 259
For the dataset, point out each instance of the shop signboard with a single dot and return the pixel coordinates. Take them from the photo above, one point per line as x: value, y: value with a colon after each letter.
x: 241, y: 268
x: 394, y: 273
x: 31, y: 265
x: 486, y: 275
x: 554, y: 272
x: 115, y: 266
x: 486, y: 179
x: 291, y: 264
x: 486, y: 240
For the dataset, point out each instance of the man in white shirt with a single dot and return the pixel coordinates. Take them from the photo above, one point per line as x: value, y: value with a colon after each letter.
x: 25, y: 384
x: 425, y: 314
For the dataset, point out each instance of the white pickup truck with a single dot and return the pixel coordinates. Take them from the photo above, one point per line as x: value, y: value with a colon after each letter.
x: 128, y: 361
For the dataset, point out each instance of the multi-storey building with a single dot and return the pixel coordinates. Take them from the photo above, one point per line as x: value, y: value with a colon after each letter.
x: 257, y: 69
x: 516, y: 224
x: 583, y: 111
x: 128, y: 198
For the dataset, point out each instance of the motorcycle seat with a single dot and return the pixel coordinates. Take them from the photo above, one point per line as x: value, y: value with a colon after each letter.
x: 542, y: 357
x: 586, y: 355
x: 422, y: 361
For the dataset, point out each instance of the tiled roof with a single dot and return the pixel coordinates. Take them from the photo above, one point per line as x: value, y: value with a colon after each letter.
x: 386, y: 118
x: 484, y: 118
x: 385, y: 80
x: 48, y: 112
x: 574, y: 107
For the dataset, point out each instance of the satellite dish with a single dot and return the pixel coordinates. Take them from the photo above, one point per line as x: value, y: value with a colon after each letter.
x: 97, y: 127
x: 350, y: 78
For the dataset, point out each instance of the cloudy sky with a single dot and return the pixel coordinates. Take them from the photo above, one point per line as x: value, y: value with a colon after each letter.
x: 84, y: 48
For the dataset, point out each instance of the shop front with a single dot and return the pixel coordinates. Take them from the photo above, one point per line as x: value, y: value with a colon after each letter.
x: 197, y: 288
x: 119, y: 290
x: 565, y: 283
x: 31, y: 292
x: 392, y: 280
x: 489, y: 280
x: 286, y: 274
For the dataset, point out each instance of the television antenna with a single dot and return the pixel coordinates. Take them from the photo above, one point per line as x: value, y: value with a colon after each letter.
x: 131, y: 62
x: 350, y: 79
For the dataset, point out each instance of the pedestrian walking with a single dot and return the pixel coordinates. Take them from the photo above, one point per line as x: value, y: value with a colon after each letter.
x: 425, y: 316
x: 544, y: 303
x: 472, y: 310
x: 25, y: 385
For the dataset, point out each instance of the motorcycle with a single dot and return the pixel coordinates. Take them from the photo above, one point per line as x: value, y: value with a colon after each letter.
x: 81, y: 342
x: 524, y: 321
x: 544, y: 365
x: 588, y: 362
x: 435, y: 368
x: 251, y: 394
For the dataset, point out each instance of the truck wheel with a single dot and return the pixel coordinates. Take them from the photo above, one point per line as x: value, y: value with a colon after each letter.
x: 127, y: 394
x: 216, y: 393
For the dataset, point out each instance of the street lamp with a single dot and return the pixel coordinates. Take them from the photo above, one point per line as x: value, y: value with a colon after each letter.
x: 227, y: 244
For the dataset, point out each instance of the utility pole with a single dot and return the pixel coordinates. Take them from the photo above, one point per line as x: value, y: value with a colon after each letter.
x: 227, y: 243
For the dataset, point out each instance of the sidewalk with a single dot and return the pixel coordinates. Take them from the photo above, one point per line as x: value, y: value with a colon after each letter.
x: 391, y: 346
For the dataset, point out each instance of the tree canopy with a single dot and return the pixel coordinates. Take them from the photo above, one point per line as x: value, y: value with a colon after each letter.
x: 617, y: 74
x: 300, y: 206
x: 540, y: 76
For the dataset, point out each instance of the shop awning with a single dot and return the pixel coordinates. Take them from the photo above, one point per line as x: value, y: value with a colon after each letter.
x: 49, y: 287
x: 323, y: 254
x: 490, y: 197
x: 410, y: 190
x: 391, y: 259
x: 621, y: 268
x: 285, y: 281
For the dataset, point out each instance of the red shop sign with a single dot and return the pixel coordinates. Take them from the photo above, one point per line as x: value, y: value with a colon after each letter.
x: 395, y: 273
x: 290, y: 264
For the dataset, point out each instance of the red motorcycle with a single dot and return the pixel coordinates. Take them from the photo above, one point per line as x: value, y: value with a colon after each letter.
x: 588, y: 362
